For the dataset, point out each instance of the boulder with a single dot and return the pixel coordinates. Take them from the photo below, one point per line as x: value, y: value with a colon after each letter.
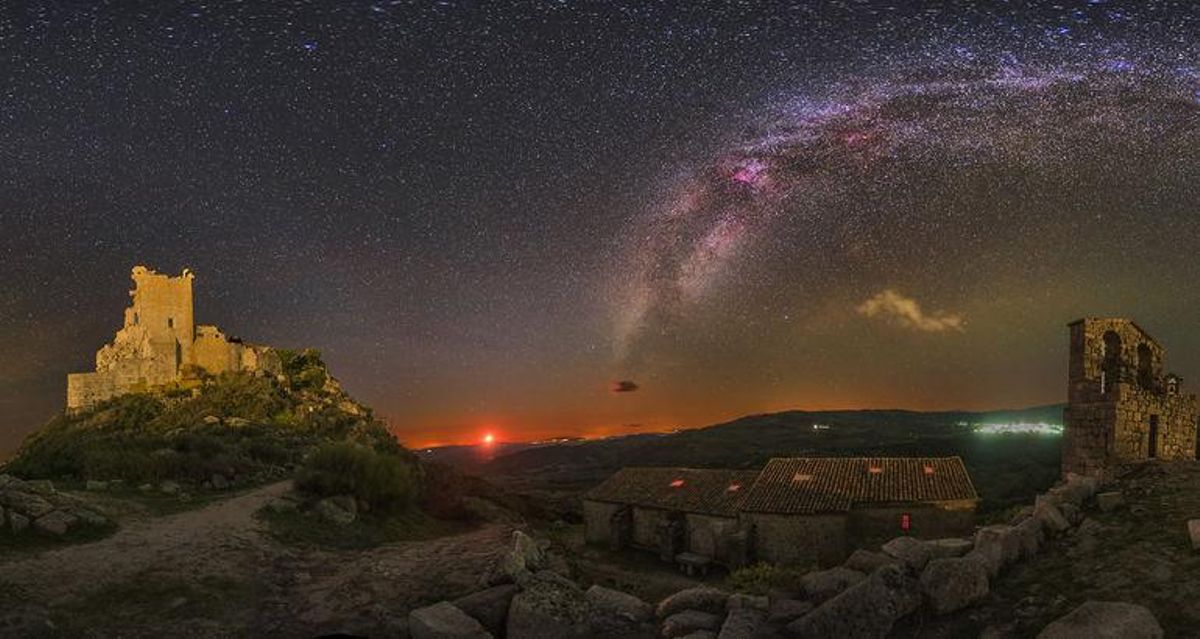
x: 742, y: 623
x: 56, y: 522
x: 1110, y: 501
x: 825, y: 584
x: 146, y: 488
x: 999, y: 546
x: 953, y: 583
x: 211, y: 420
x: 1045, y: 510
x: 701, y: 598
x: 619, y: 604
x: 17, y: 522
x: 1194, y: 533
x: 89, y: 517
x: 1105, y: 620
x: 866, y: 561
x: 700, y: 634
x: 95, y: 484
x: 909, y: 550
x: 548, y: 608
x: 1087, y: 485
x: 489, y: 607
x: 25, y: 503
x: 219, y: 482
x: 869, y: 608
x: 682, y: 623
x: 281, y: 505
x: 169, y: 488
x: 1031, y: 534
x: 43, y: 487
x: 444, y: 621
x: 336, y: 511
x: 950, y: 547
x: 1073, y: 513
x: 237, y: 422
x: 7, y: 480
x: 1024, y: 513
x: 784, y: 611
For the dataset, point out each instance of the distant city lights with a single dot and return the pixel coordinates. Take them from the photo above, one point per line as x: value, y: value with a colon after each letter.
x: 1036, y: 428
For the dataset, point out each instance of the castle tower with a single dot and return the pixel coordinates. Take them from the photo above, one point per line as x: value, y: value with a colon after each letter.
x: 1120, y: 405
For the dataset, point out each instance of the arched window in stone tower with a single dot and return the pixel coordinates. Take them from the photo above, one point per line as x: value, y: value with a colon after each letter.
x: 1145, y: 364
x: 1110, y: 371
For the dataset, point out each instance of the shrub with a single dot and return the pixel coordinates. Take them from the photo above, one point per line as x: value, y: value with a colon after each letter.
x: 380, y: 481
x: 761, y: 578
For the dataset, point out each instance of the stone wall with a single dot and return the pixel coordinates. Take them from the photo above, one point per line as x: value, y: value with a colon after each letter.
x: 597, y: 521
x: 870, y: 526
x: 645, y: 526
x: 799, y: 539
x: 709, y: 535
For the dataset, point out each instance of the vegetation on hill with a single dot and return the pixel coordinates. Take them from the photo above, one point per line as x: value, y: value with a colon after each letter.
x: 238, y: 426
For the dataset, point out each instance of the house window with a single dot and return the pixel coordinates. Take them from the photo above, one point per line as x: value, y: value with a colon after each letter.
x: 928, y: 469
x: 905, y: 522
x: 875, y: 470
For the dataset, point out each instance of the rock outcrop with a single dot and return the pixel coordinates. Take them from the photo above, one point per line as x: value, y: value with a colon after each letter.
x: 36, y: 505
x: 1105, y: 620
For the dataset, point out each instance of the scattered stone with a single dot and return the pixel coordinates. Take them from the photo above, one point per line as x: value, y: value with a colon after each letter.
x: 95, y: 484
x: 867, y: 561
x: 524, y: 558
x: 682, y: 623
x: 701, y: 598
x: 1194, y: 533
x: 954, y: 583
x: 237, y: 422
x: 1050, y: 515
x: 89, y: 517
x: 1105, y: 620
x: 55, y: 523
x: 742, y: 623
x: 753, y: 602
x: 211, y: 420
x: 950, y: 547
x: 489, y: 607
x: 1110, y: 501
x: 549, y: 609
x: 43, y: 487
x: 619, y: 604
x: 1024, y: 513
x: 825, y: 584
x: 336, y: 511
x: 1031, y: 534
x: 146, y: 488
x: 17, y: 522
x: 282, y: 505
x: 1072, y: 512
x: 997, y: 546
x: 869, y: 608
x: 169, y: 488
x: 910, y: 550
x: 219, y: 482
x: 444, y: 621
x: 700, y: 634
x: 784, y: 611
x: 28, y: 503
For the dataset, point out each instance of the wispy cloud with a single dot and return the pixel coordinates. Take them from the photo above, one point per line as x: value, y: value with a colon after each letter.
x: 906, y: 311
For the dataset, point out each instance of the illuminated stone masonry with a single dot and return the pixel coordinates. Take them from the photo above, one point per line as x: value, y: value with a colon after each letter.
x: 1121, y: 406
x: 160, y: 345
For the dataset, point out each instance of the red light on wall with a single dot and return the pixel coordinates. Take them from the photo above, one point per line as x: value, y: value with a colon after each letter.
x: 905, y: 522
x: 677, y: 483
x: 734, y: 487
x: 928, y: 469
x: 875, y: 470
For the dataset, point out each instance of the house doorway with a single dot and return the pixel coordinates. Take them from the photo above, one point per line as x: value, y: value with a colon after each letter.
x: 1152, y: 445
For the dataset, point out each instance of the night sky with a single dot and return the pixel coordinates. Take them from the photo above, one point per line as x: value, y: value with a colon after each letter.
x: 590, y: 218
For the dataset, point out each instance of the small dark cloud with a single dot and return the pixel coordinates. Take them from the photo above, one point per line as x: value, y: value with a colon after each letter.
x: 624, y: 386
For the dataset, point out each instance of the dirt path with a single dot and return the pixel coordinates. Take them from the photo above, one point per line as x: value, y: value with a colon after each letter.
x: 206, y: 571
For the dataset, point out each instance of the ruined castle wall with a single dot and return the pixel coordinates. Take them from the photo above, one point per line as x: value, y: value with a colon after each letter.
x: 163, y: 305
x: 1176, y: 416
x: 214, y: 353
x: 87, y: 389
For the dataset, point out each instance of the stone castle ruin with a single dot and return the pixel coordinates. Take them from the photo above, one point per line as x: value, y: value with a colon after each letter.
x: 1121, y: 407
x: 160, y: 345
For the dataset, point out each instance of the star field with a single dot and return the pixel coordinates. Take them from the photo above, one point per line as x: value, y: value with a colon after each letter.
x: 487, y: 214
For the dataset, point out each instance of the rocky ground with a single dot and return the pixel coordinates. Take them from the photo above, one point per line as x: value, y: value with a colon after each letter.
x: 215, y: 572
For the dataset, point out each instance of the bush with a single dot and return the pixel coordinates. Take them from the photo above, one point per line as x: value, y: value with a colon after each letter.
x: 761, y: 578
x: 379, y: 481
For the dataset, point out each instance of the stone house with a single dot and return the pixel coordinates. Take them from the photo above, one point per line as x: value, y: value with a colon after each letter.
x: 159, y: 344
x: 794, y: 511
x: 1121, y: 405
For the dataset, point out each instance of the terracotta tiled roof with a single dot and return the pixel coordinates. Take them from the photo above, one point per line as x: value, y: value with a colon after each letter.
x: 713, y: 492
x: 803, y: 485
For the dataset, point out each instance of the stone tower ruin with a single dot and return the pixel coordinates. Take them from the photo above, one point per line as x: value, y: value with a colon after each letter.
x: 1121, y: 407
x: 160, y: 344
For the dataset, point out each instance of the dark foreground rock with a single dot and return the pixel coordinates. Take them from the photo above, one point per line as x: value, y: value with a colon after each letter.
x: 867, y: 609
x: 444, y: 621
x: 1105, y: 620
x: 489, y: 607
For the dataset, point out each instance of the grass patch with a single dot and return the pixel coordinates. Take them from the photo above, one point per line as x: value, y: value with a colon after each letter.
x: 762, y: 578
x: 305, y: 529
x: 31, y: 540
x: 150, y: 598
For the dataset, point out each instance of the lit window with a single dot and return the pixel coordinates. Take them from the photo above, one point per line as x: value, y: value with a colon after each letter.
x: 875, y: 470
x: 677, y: 483
x: 802, y: 477
x: 928, y: 469
x: 734, y: 487
x: 905, y: 522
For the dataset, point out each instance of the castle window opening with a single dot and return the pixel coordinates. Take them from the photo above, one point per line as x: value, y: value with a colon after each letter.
x: 1152, y: 437
x: 170, y: 322
x: 1145, y: 361
x: 1110, y: 373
